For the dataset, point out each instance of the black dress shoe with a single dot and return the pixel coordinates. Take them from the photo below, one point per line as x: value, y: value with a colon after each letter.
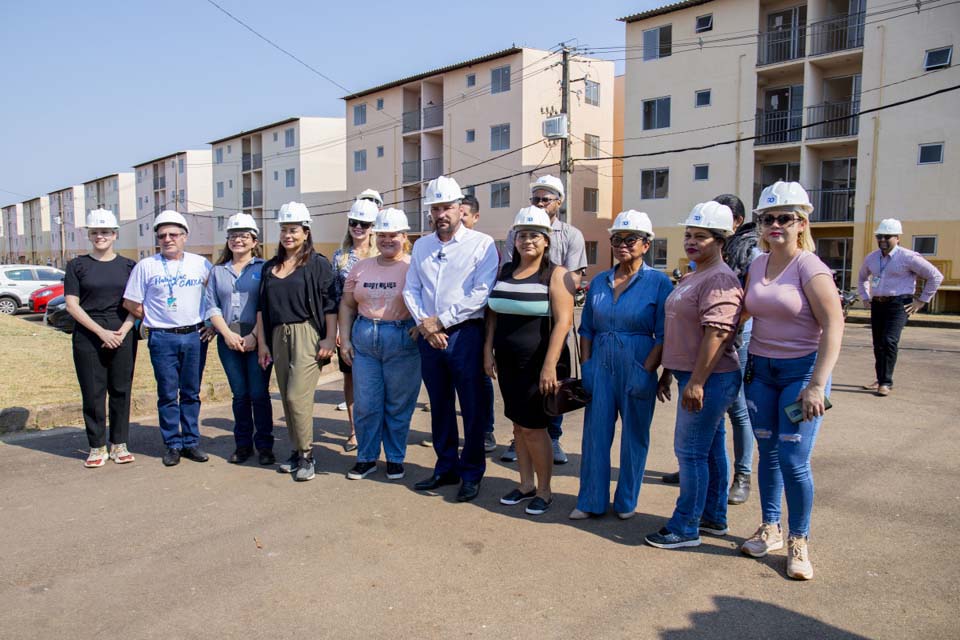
x: 195, y: 454
x: 739, y: 489
x: 171, y: 458
x: 671, y: 478
x: 437, y: 480
x: 468, y: 491
x: 241, y: 455
x: 267, y: 458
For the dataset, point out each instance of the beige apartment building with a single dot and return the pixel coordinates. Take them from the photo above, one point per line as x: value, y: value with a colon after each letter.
x: 68, y: 212
x: 707, y: 71
x: 181, y: 182
x: 13, y: 242
x: 117, y: 193
x: 298, y: 159
x: 36, y: 230
x: 488, y: 112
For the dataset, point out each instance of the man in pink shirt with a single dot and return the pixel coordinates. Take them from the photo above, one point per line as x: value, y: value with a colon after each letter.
x: 887, y: 282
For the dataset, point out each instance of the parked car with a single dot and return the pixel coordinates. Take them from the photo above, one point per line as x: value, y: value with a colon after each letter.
x: 57, y: 317
x: 40, y: 297
x: 18, y: 281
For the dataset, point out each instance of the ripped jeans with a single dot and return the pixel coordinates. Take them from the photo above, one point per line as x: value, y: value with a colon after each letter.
x: 784, y: 448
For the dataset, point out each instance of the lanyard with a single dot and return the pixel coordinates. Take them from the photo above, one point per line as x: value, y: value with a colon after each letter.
x: 166, y: 271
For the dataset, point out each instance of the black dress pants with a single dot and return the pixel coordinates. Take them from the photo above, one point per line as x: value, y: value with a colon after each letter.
x: 103, y: 371
x: 887, y: 320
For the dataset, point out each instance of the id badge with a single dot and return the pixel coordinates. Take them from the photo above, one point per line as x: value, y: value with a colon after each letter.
x: 874, y: 283
x: 171, y: 304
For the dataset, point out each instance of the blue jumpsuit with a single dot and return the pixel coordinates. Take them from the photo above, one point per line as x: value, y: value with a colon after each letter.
x: 622, y: 333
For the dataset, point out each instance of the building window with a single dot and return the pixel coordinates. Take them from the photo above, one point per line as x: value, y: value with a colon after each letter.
x: 704, y: 23
x: 591, y: 146
x: 591, y: 93
x: 219, y: 189
x: 219, y: 223
x: 291, y: 176
x: 360, y: 160
x: 499, y: 137
x: 937, y: 58
x: 925, y: 245
x: 139, y: 203
x: 380, y: 152
x: 139, y: 176
x: 140, y: 227
x: 656, y: 257
x: 229, y: 149
x: 469, y: 191
x: 471, y: 135
x: 276, y: 136
x: 218, y: 155
x: 379, y: 104
x: 591, y: 248
x: 180, y: 165
x: 289, y: 137
x: 931, y: 153
x: 657, y: 42
x: 183, y: 198
x: 359, y: 114
x: 656, y: 113
x: 276, y: 176
x: 499, y: 195
x: 591, y: 200
x: 471, y: 79
x: 500, y: 79
x: 229, y: 184
x: 654, y: 184
x: 702, y: 98
x: 701, y: 172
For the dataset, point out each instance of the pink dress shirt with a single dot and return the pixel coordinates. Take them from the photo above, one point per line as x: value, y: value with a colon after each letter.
x: 896, y: 275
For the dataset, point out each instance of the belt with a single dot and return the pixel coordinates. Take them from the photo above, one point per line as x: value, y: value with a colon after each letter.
x: 181, y: 330
x: 461, y: 325
x: 392, y: 323
x: 891, y: 298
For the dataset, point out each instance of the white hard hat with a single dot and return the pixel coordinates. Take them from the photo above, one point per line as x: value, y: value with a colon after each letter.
x: 784, y: 194
x: 631, y: 220
x: 294, y: 213
x: 242, y: 221
x: 711, y: 215
x: 532, y: 218
x: 363, y: 210
x: 170, y: 217
x: 549, y: 183
x: 887, y: 227
x: 391, y: 221
x: 441, y: 190
x: 371, y: 194
x: 101, y: 219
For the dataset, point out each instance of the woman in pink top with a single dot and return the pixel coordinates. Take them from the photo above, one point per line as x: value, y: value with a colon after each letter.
x: 797, y: 329
x: 375, y: 340
x: 701, y: 323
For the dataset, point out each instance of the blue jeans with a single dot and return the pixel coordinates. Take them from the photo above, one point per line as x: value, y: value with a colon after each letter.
x: 785, y: 448
x: 177, y: 364
x: 701, y: 450
x: 386, y: 366
x: 252, y: 410
x: 739, y: 416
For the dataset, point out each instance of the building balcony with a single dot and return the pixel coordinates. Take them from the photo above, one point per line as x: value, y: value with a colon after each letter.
x: 774, y: 47
x: 839, y: 120
x: 832, y: 205
x: 252, y: 198
x: 411, y: 121
x: 778, y: 127
x: 411, y: 171
x: 432, y: 168
x: 836, y: 34
x: 159, y: 182
x: 252, y: 161
x: 433, y: 117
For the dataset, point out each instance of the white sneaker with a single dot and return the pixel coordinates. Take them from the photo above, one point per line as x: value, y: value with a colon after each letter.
x: 798, y: 559
x: 97, y: 458
x: 766, y: 539
x: 120, y: 454
x: 342, y: 406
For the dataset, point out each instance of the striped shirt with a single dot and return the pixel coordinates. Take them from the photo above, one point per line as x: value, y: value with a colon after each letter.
x: 527, y: 297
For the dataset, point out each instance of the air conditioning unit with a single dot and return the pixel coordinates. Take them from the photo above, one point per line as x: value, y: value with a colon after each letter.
x: 555, y: 128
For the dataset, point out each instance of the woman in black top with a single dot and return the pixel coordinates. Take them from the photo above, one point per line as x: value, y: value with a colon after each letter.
x: 104, y: 350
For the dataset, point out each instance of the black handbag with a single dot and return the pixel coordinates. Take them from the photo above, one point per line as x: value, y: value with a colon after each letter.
x: 571, y: 394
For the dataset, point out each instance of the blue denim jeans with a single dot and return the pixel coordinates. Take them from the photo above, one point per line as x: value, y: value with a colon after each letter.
x: 177, y: 363
x: 785, y: 448
x: 739, y: 416
x: 386, y: 368
x: 702, y: 453
x: 252, y: 410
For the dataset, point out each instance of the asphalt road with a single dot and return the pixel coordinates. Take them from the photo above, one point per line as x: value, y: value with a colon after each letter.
x: 215, y: 550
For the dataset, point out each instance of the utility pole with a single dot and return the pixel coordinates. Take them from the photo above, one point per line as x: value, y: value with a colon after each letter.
x: 565, y: 166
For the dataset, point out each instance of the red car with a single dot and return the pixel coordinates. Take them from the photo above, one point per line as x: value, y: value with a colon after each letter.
x: 40, y: 297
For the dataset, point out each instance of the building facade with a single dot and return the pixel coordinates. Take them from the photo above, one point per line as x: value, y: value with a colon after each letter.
x: 787, y: 79
x: 67, y: 222
x: 117, y: 193
x: 36, y: 230
x: 13, y: 241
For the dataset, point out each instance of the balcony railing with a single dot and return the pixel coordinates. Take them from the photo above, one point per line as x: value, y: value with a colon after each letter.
x: 832, y: 205
x: 411, y: 121
x: 411, y: 171
x: 836, y: 34
x: 778, y: 127
x: 432, y: 117
x: 432, y: 167
x: 159, y: 182
x: 414, y: 211
x: 252, y: 198
x: 252, y: 161
x: 848, y: 124
x: 781, y: 46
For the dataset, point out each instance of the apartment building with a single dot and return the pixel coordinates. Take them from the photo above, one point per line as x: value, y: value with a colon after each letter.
x: 298, y: 159
x: 36, y: 230
x: 12, y: 220
x: 116, y: 192
x: 707, y: 71
x: 181, y: 182
x: 68, y: 237
x: 481, y: 121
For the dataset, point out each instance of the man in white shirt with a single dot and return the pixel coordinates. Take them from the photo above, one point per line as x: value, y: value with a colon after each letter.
x: 451, y: 274
x: 166, y: 291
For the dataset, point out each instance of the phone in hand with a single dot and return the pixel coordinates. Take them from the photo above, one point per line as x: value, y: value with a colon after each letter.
x: 795, y: 411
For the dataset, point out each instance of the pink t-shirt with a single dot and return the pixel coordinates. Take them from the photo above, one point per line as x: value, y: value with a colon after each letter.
x: 707, y: 298
x: 783, y: 323
x: 378, y: 289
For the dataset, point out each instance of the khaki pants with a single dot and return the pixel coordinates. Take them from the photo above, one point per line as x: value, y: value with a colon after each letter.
x: 294, y: 354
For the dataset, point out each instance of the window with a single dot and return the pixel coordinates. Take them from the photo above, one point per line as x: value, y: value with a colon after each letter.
x: 656, y: 42
x: 360, y: 160
x: 229, y: 149
x: 230, y: 184
x: 499, y: 137
x: 701, y: 172
x: 182, y: 196
x: 380, y: 152
x: 656, y: 257
x: 140, y: 228
x: 654, y: 184
x: 937, y: 58
x: 180, y: 165
x: 591, y: 199
x: 591, y: 93
x: 704, y: 23
x: 49, y: 274
x: 276, y: 136
x: 925, y: 245
x: 379, y: 104
x: 591, y: 146
x: 469, y: 191
x: 218, y: 155
x: 139, y: 176
x: 931, y: 153
x: 276, y: 176
x: 499, y: 195
x: 290, y: 176
x: 139, y: 203
x: 591, y: 249
x: 19, y: 275
x: 656, y: 113
x: 219, y: 189
x: 471, y: 79
x: 500, y: 79
x: 702, y: 98
x: 289, y: 137
x: 219, y: 223
x: 359, y: 114
x: 471, y: 135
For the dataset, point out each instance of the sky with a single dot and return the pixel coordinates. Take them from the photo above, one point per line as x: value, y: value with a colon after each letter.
x: 92, y: 88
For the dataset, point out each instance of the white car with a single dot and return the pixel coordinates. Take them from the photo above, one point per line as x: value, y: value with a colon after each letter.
x: 18, y: 281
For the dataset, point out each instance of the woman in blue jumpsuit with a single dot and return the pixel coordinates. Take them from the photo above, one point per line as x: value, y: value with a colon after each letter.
x: 621, y: 338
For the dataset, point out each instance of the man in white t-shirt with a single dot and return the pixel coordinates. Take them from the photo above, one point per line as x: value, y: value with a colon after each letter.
x: 166, y: 291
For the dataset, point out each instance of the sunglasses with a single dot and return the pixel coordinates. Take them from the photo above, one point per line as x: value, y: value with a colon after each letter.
x: 628, y: 242
x: 885, y: 237
x: 172, y: 236
x: 535, y: 200
x: 784, y: 219
x: 360, y: 223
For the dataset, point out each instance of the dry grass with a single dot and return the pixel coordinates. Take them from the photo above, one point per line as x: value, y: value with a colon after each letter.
x: 36, y: 366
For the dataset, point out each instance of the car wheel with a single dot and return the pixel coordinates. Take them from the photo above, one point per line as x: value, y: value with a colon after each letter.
x: 8, y: 306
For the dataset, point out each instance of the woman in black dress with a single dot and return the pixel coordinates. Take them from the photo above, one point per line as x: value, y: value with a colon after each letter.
x: 529, y: 315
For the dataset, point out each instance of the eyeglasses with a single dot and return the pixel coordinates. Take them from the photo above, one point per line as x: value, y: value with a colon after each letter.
x: 628, y: 241
x: 529, y: 236
x: 885, y: 237
x: 359, y: 223
x: 535, y: 200
x: 240, y: 236
x: 784, y: 219
x: 172, y: 236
